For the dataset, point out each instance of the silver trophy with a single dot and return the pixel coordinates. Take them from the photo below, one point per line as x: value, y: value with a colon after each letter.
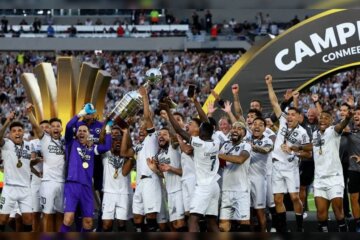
x: 132, y: 101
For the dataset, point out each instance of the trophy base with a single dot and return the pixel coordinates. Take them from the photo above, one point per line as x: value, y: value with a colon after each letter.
x: 120, y: 122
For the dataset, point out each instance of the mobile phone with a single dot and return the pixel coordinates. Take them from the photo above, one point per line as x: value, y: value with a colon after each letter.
x: 191, y: 90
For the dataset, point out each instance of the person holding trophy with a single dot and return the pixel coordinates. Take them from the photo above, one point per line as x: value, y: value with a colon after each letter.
x: 80, y: 154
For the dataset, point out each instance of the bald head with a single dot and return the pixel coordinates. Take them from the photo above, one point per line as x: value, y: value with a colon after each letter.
x: 312, y: 115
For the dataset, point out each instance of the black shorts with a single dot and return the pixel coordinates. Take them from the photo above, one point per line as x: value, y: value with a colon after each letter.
x: 306, y: 170
x: 354, y: 182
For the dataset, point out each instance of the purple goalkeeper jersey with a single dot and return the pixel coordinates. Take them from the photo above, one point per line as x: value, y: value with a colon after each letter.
x: 94, y: 129
x: 78, y: 154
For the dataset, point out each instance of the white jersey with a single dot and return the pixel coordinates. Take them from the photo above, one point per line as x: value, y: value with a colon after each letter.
x: 10, y: 153
x: 147, y: 149
x: 36, y: 148
x: 259, y: 161
x: 235, y: 176
x: 120, y: 184
x: 206, y: 160
x: 270, y: 134
x: 295, y: 136
x: 220, y: 137
x: 328, y: 168
x: 171, y: 156
x: 54, y: 159
x: 188, y: 166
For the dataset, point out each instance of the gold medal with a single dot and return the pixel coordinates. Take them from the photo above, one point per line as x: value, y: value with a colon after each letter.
x: 19, y: 164
x: 85, y: 165
x: 116, y: 174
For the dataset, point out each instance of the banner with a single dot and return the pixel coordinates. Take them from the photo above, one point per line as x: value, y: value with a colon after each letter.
x: 312, y: 49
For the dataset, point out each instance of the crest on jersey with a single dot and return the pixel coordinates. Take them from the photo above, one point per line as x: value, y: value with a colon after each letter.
x: 116, y: 161
x: 98, y: 130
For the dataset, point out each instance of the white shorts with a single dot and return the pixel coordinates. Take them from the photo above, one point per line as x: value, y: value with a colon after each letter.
x: 15, y: 194
x: 52, y: 197
x: 205, y: 200
x: 336, y: 191
x: 35, y: 193
x: 188, y: 187
x: 163, y: 215
x: 147, y: 196
x: 269, y: 192
x: 258, y: 192
x: 15, y: 211
x: 235, y: 205
x: 285, y: 177
x: 116, y: 206
x: 176, y: 206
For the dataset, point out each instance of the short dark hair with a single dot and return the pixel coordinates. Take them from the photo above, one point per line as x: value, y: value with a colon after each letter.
x: 197, y: 120
x: 54, y: 120
x: 256, y: 100
x: 44, y: 121
x: 346, y: 105
x: 165, y: 128
x: 257, y: 112
x: 260, y: 119
x: 357, y: 108
x: 180, y: 115
x: 116, y: 127
x: 207, y: 129
x: 213, y: 122
x: 294, y: 109
x: 16, y: 124
x: 326, y: 112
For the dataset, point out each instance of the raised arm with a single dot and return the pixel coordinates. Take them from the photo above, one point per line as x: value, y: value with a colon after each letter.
x: 126, y: 149
x: 341, y: 125
x: 295, y: 95
x: 9, y: 118
x: 147, y: 115
x: 106, y: 146
x: 35, y: 126
x: 272, y: 96
x: 173, y: 138
x: 227, y: 109
x: 128, y: 165
x: 239, y: 114
x: 174, y: 123
x: 316, y: 102
x: 239, y: 159
x: 202, y: 114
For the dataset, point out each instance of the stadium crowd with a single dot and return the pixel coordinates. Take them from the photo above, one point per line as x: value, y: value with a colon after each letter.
x: 237, y: 163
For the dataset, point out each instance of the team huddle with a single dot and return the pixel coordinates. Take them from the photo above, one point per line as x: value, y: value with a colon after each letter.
x: 190, y: 175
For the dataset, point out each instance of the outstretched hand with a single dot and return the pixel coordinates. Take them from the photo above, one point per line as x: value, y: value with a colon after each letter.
x: 211, y: 108
x: 227, y: 107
